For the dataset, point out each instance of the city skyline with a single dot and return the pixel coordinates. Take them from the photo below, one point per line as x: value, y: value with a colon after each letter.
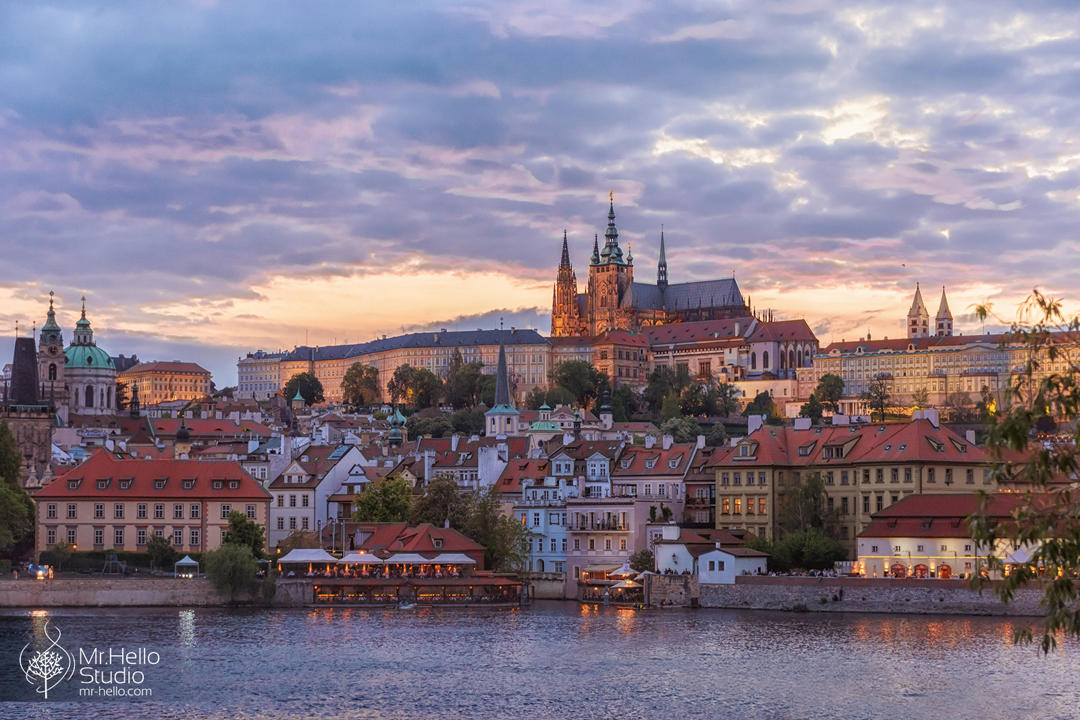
x: 266, y: 178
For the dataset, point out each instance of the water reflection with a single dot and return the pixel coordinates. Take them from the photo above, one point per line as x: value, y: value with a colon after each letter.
x: 187, y: 628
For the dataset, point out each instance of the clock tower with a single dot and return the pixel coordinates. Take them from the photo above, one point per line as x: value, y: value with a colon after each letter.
x: 50, y: 355
x: 611, y: 275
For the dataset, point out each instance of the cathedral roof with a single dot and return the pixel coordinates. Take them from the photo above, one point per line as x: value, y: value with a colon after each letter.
x: 918, y: 309
x: 682, y: 296
x: 87, y: 356
x: 943, y: 308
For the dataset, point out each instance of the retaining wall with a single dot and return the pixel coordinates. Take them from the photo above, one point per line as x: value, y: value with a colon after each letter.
x: 99, y: 592
x: 677, y: 590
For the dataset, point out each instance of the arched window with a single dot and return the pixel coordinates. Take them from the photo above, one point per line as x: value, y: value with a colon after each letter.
x: 108, y: 397
x: 782, y: 357
x: 52, y: 371
x: 89, y: 396
x: 765, y: 360
x: 753, y: 361
x: 798, y: 358
x: 791, y: 358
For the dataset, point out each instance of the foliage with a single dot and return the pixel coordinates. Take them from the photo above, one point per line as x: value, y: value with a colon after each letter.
x: 810, y: 549
x: 812, y: 409
x: 987, y: 405
x: 121, y: 395
x: 663, y: 513
x: 486, y: 389
x: 580, y: 379
x: 877, y: 394
x: 682, y: 430
x: 829, y: 390
x: 310, y: 388
x: 623, y: 404
x: 388, y: 500
x: 554, y: 397
x: 1045, y: 390
x: 662, y: 381
x: 360, y: 385
x: 437, y: 426
x: 803, y: 505
x: 442, y: 500
x: 463, y: 382
x: 671, y: 408
x: 725, y: 400
x: 161, y: 552
x: 505, y: 540
x: 298, y: 539
x: 16, y: 515
x: 643, y: 560
x: 242, y: 531
x: 468, y: 421
x: 763, y: 404
x: 11, y: 460
x: 398, y: 385
x: 231, y: 569
x: 716, y: 436
x: 920, y: 398
x: 61, y: 552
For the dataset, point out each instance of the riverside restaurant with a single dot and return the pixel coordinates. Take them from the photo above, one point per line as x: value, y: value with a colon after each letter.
x: 361, y: 578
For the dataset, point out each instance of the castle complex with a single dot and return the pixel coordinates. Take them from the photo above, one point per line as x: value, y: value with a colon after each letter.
x: 613, y: 300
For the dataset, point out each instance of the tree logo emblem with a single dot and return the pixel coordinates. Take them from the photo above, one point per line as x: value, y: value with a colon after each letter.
x: 49, y: 666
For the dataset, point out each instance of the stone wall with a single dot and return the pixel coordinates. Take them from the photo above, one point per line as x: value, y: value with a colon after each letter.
x: 946, y: 597
x: 99, y: 592
x: 547, y: 586
x: 678, y: 590
x: 293, y: 592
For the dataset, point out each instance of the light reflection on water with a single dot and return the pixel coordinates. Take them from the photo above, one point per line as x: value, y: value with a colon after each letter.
x: 558, y: 660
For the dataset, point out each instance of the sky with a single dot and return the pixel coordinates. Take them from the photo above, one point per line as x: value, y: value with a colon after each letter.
x: 221, y: 177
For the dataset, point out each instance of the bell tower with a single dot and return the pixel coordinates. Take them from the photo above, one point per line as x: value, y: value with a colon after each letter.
x: 566, y: 318
x: 50, y: 353
x: 610, y: 277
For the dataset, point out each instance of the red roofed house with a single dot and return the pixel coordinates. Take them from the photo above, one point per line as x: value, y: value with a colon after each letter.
x: 302, y: 492
x: 107, y: 502
x: 929, y: 536
x: 384, y: 538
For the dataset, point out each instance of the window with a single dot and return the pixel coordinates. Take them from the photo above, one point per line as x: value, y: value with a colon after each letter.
x: 50, y: 511
x: 967, y: 548
x: 948, y: 476
x: 930, y: 475
x: 622, y: 544
x: 292, y: 501
x: 879, y: 475
x: 72, y: 511
x: 986, y: 477
x: 140, y: 537
x: 761, y: 478
x: 896, y: 548
x: 592, y: 543
x: 873, y: 548
x: 712, y: 566
x: 725, y: 506
x: 553, y: 545
x: 304, y: 500
x: 761, y: 506
x: 250, y: 512
x: 880, y: 499
x: 866, y: 476
x: 225, y: 510
x: 194, y: 537
x: 178, y: 511
x: 281, y: 501
x: 159, y: 532
x: 195, y: 511
x: 918, y: 548
x: 292, y: 523
x: 159, y: 484
x: 969, y: 476
x: 118, y: 537
x: 563, y: 545
x: 724, y: 479
x: 99, y: 537
x: 189, y: 483
x: 736, y: 479
x: 303, y: 523
x: 71, y: 537
x: 607, y: 543
x: 159, y: 511
x: 829, y: 478
x: 178, y: 537
x: 536, y: 519
x: 577, y: 543
x: 99, y: 511
x: 280, y: 523
x: 866, y: 504
x: 140, y: 511
x: 50, y: 536
x: 736, y: 506
x: 894, y: 475
x: 118, y: 511
x: 843, y: 506
x: 907, y: 475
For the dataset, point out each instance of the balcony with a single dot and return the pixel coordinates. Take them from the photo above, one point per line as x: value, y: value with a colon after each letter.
x: 700, y: 501
x: 611, y: 526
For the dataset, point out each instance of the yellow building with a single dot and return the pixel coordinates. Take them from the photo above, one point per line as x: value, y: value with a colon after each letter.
x: 159, y: 382
x: 864, y: 469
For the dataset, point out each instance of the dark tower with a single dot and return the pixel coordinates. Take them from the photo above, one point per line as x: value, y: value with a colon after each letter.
x: 24, y: 373
x: 565, y: 311
x: 661, y: 267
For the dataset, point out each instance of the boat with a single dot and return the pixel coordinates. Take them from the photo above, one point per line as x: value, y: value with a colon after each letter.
x: 406, y: 605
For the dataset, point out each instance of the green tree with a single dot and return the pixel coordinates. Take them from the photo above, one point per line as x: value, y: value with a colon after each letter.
x: 716, y: 436
x: 877, y: 394
x: 725, y: 398
x: 580, y: 379
x: 920, y: 398
x: 61, y: 551
x: 16, y: 515
x: 400, y: 383
x: 463, y: 382
x: 11, y: 460
x: 829, y: 390
x: 360, y: 385
x: 442, y: 500
x: 298, y: 539
x: 486, y: 390
x: 231, y: 570
x: 505, y: 540
x: 803, y: 504
x: 623, y: 404
x: 437, y: 426
x: 682, y: 430
x: 386, y: 501
x: 662, y: 381
x: 643, y: 560
x: 671, y: 408
x: 309, y: 386
x: 121, y: 395
x: 242, y: 531
x: 812, y: 409
x: 809, y: 549
x: 468, y: 421
x: 763, y: 404
x: 959, y: 408
x: 1043, y: 392
x: 692, y: 401
x: 425, y: 388
x: 161, y: 552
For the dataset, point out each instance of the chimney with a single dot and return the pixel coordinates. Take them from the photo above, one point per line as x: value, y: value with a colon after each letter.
x: 970, y: 435
x: 454, y: 438
x: 802, y: 423
x: 700, y: 442
x: 666, y: 441
x: 650, y: 441
x: 754, y: 422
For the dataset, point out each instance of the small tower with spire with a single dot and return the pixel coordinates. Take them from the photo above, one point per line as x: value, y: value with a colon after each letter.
x: 944, y: 320
x: 565, y: 310
x: 50, y: 353
x: 918, y: 319
x: 661, y: 267
x: 502, y: 420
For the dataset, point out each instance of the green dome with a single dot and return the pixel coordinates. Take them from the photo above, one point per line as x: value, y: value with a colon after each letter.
x: 87, y: 356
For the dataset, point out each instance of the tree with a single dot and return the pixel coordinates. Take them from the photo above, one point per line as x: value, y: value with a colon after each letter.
x: 298, y: 539
x: 388, y: 500
x: 400, y: 383
x: 829, y: 390
x: 579, y: 378
x: 643, y: 560
x: 242, y: 531
x: 121, y: 395
x: 486, y: 390
x: 682, y: 430
x: 437, y: 426
x: 161, y: 552
x: 309, y: 386
x: 425, y: 388
x: 877, y: 394
x: 716, y: 436
x: 1044, y: 391
x: 958, y: 406
x: 670, y: 409
x: 803, y: 504
x: 623, y: 404
x: 920, y: 398
x: 662, y: 381
x: 231, y: 569
x: 725, y: 398
x: 360, y: 385
x: 463, y: 382
x: 468, y: 421
x: 441, y: 501
x: 809, y: 549
x: 11, y: 460
x: 812, y: 409
x: 504, y: 539
x: 16, y: 515
x: 988, y: 404
x: 693, y: 401
x: 61, y: 551
x: 763, y: 404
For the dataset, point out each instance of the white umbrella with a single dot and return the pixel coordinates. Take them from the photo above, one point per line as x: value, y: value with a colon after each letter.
x: 361, y: 559
x: 624, y: 571
x: 307, y: 555
x: 625, y: 585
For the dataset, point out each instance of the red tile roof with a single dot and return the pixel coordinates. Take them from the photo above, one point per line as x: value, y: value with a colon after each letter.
x: 936, y: 515
x: 167, y: 367
x: 784, y: 330
x: 637, y: 461
x: 516, y: 470
x: 211, y: 428
x: 130, y: 479
x: 383, y: 538
x: 711, y: 331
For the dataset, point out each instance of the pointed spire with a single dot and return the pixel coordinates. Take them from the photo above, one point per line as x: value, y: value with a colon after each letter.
x: 943, y: 307
x: 611, y: 234
x: 661, y: 267
x: 595, y: 249
x: 502, y: 380
x: 565, y: 261
x: 918, y: 309
x: 83, y: 307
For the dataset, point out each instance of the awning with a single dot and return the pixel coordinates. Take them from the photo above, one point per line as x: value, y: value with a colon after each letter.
x: 453, y: 559
x: 1022, y: 556
x: 625, y: 585
x: 361, y: 559
x: 624, y: 571
x: 186, y: 560
x: 409, y: 558
x: 601, y: 569
x: 307, y: 555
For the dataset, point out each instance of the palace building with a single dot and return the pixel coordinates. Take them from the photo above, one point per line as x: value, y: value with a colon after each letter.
x: 613, y: 300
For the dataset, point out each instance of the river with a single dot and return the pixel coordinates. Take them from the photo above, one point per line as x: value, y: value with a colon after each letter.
x: 552, y: 660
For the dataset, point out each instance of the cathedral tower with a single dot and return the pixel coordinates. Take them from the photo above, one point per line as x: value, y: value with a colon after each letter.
x: 50, y: 354
x: 918, y: 319
x: 943, y: 321
x: 566, y: 318
x: 610, y: 278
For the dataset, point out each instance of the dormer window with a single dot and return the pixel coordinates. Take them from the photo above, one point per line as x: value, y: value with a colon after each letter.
x: 233, y: 484
x: 125, y: 483
x: 437, y: 543
x: 103, y: 483
x: 74, y: 484
x: 189, y: 483
x: 159, y: 484
x: 217, y: 484
x: 888, y: 447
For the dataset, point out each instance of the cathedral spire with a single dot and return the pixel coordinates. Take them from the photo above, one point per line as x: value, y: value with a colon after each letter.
x: 944, y: 318
x: 565, y: 261
x: 502, y: 380
x: 661, y: 267
x: 595, y: 249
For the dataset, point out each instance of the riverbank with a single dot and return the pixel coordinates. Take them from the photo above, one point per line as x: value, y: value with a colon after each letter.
x: 842, y: 594
x: 109, y: 592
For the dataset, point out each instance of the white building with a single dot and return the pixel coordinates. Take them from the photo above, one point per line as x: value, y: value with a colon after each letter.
x: 257, y: 375
x: 301, y: 494
x: 89, y: 373
x: 715, y: 557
